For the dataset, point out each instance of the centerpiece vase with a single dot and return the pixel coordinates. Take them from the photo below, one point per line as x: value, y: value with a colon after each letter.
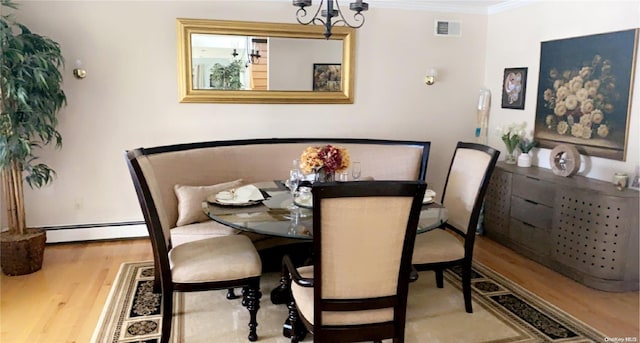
x: 323, y: 176
x: 511, y: 157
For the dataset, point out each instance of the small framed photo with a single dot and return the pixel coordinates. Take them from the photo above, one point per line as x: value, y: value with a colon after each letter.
x: 327, y: 77
x: 635, y: 183
x: 514, y: 85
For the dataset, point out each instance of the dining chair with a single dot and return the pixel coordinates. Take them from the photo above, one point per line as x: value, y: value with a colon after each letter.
x: 214, y: 263
x: 452, y: 244
x: 363, y: 237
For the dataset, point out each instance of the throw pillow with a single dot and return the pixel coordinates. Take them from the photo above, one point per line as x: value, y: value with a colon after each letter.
x: 190, y: 200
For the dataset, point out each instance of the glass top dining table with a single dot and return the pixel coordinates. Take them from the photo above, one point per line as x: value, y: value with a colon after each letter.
x: 274, y: 218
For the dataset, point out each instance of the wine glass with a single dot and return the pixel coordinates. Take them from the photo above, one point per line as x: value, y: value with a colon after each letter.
x: 295, y: 176
x: 356, y: 171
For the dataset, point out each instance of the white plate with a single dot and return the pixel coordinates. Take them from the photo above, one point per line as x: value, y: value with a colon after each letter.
x: 307, y: 203
x: 213, y: 200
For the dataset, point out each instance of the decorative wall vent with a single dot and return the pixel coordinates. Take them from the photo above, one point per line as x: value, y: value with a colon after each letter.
x: 447, y: 28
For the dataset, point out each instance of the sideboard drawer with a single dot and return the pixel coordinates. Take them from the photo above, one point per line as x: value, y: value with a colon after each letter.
x: 531, y: 212
x: 530, y: 237
x: 533, y: 189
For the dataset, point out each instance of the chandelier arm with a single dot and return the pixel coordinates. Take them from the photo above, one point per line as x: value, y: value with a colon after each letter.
x: 358, y: 17
x: 301, y: 13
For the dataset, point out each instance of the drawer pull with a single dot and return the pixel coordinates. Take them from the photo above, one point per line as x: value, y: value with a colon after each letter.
x: 531, y: 201
x: 529, y: 225
x: 532, y: 178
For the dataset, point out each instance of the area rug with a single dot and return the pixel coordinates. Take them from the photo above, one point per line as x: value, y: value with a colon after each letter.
x: 503, y: 312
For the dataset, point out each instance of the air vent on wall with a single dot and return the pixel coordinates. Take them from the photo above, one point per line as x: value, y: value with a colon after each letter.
x: 447, y: 28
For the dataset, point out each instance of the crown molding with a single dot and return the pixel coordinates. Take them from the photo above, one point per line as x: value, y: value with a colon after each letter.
x: 451, y: 6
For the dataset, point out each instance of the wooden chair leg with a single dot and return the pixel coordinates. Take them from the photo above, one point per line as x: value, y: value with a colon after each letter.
x: 298, y: 331
x: 439, y: 278
x: 167, y: 316
x: 466, y: 287
x: 251, y: 300
x: 231, y: 294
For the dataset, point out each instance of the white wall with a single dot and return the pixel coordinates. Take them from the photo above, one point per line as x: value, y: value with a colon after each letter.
x: 291, y: 61
x: 130, y: 99
x: 514, y: 39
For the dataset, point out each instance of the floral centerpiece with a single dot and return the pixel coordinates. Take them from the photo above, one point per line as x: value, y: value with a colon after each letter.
x: 325, y: 160
x: 511, y: 136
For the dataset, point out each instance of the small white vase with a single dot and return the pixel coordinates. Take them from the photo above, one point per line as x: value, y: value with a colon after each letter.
x: 524, y: 160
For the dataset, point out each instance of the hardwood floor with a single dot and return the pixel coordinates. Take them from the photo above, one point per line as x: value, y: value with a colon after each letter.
x: 63, y: 301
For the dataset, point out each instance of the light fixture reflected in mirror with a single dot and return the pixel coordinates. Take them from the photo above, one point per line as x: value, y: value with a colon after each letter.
x: 255, y: 56
x: 430, y: 78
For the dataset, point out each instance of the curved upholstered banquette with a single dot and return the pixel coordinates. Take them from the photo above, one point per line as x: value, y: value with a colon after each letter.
x: 170, y: 180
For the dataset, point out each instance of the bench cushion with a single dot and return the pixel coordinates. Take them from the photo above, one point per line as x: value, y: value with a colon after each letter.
x: 193, y: 232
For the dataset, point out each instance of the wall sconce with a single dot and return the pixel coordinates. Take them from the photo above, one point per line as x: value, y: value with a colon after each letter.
x: 79, y: 72
x: 430, y: 78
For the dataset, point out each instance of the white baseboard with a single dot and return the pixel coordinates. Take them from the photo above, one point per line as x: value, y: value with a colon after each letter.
x: 96, y: 232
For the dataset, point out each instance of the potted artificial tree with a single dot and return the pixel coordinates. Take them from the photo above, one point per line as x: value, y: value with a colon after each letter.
x: 30, y: 97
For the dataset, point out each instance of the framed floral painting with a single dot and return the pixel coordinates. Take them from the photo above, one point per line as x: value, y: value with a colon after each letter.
x: 584, y: 93
x: 327, y: 77
x: 514, y: 84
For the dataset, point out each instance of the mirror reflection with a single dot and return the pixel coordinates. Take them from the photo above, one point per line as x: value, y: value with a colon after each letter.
x: 255, y: 62
x: 231, y: 62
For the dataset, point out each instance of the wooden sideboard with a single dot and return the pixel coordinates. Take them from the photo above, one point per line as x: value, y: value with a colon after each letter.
x: 580, y: 227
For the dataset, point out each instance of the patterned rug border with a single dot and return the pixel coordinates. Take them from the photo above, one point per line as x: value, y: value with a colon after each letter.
x: 584, y: 331
x: 489, y: 288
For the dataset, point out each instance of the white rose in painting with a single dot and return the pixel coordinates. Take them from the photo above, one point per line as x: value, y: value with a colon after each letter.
x: 562, y: 93
x: 603, y: 131
x: 548, y: 94
x: 576, y: 130
x: 563, y: 127
x: 597, y: 116
x: 557, y: 84
x: 587, y: 106
x: 575, y: 84
x: 560, y: 109
x: 585, y: 120
x: 582, y: 94
x: 585, y: 72
x: 549, y: 120
x: 571, y: 102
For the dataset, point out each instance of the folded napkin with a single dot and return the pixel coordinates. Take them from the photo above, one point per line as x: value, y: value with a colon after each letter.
x: 429, y: 194
x: 240, y: 195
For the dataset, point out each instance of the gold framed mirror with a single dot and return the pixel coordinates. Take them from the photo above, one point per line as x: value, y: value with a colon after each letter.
x: 221, y: 61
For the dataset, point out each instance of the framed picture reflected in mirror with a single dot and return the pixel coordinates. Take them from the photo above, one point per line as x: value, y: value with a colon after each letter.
x: 327, y: 77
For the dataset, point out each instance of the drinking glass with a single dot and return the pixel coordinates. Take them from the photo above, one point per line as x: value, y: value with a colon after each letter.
x: 295, y: 176
x: 356, y: 171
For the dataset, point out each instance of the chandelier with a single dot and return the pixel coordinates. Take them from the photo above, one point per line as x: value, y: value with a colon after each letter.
x: 329, y: 13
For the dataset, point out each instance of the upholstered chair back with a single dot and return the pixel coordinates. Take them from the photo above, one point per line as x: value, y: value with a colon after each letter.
x: 362, y: 246
x: 466, y: 176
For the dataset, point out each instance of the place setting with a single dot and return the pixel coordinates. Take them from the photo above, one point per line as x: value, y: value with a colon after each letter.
x: 248, y: 195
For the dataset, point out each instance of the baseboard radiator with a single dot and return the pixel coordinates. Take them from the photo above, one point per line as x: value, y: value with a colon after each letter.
x: 95, y: 232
